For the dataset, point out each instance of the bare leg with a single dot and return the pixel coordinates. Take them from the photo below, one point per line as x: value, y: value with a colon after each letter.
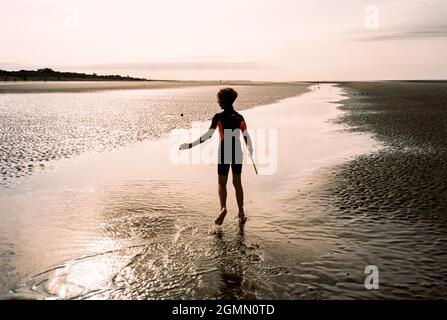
x: 223, y: 199
x: 239, y: 197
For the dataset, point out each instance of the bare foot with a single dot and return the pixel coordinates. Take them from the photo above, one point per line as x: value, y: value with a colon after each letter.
x: 221, y: 217
x: 242, y: 218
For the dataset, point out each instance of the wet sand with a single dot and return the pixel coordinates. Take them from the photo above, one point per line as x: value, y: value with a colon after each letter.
x: 410, y: 174
x: 395, y: 200
x: 88, y: 86
x: 36, y: 128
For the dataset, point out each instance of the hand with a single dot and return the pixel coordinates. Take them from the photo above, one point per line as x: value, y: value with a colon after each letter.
x: 185, y: 146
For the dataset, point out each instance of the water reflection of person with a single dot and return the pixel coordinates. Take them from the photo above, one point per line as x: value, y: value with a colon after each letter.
x: 231, y: 266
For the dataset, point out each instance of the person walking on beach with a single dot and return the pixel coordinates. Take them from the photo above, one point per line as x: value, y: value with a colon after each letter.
x: 230, y: 124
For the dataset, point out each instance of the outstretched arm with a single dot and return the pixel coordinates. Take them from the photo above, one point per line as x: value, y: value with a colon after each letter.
x: 207, y: 135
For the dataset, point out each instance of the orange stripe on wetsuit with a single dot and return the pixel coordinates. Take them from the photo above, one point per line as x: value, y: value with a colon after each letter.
x: 221, y: 130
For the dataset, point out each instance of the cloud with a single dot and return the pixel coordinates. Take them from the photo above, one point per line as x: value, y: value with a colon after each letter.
x: 165, y: 66
x: 408, y: 35
x: 421, y: 32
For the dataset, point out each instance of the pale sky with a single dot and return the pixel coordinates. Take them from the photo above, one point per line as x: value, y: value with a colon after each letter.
x: 278, y: 40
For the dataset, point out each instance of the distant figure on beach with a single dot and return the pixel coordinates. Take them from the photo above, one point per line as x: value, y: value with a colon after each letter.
x: 230, y: 124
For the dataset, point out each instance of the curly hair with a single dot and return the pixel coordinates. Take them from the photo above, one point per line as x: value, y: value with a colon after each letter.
x: 227, y: 95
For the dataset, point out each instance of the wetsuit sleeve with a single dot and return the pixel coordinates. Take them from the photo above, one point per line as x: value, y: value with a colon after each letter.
x: 214, y: 122
x: 243, y: 125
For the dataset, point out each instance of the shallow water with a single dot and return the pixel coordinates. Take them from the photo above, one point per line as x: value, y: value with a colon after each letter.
x: 130, y: 224
x: 36, y: 128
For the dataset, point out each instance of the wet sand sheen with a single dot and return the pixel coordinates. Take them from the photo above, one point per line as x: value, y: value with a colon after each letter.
x: 37, y: 128
x: 130, y: 224
x: 89, y: 86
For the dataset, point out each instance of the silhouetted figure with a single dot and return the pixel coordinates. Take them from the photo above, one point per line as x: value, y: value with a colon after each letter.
x: 230, y: 124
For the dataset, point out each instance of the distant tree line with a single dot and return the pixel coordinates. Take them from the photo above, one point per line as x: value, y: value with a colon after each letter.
x: 48, y: 74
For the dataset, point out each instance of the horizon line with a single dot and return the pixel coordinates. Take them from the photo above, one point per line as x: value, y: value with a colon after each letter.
x: 220, y: 80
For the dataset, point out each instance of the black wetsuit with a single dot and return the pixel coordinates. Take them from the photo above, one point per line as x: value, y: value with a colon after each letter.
x: 230, y: 124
